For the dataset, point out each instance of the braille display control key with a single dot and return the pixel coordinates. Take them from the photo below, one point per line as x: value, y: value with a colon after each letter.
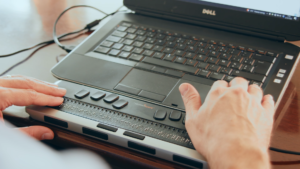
x: 111, y: 98
x: 120, y: 104
x: 82, y: 94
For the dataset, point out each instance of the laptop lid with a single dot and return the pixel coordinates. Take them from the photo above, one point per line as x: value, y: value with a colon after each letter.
x: 277, y: 20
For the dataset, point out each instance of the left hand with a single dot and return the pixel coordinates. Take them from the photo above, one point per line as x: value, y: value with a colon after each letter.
x: 25, y: 91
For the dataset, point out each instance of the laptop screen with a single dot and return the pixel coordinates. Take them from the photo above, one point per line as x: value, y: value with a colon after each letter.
x: 289, y: 10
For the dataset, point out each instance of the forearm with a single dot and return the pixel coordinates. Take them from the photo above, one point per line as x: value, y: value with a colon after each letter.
x: 239, y: 155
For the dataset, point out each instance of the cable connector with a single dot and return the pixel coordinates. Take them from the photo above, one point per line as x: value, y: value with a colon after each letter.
x: 92, y: 24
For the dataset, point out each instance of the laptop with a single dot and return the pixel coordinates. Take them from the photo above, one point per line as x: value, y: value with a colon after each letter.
x: 122, y: 81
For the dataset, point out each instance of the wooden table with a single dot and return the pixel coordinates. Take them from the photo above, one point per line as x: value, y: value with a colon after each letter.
x: 28, y: 22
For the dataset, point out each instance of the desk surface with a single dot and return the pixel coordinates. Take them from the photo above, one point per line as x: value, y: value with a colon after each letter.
x: 27, y: 22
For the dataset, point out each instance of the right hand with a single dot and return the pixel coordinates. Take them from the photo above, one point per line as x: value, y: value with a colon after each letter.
x: 234, y: 123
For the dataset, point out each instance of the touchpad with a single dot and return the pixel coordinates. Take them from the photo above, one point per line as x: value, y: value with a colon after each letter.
x: 147, y: 84
x: 174, y: 98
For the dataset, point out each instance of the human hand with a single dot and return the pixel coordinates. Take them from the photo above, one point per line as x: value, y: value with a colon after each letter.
x: 24, y: 91
x: 233, y: 126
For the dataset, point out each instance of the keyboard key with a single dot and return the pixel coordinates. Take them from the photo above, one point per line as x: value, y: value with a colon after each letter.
x: 216, y: 76
x: 234, y: 52
x: 179, y: 53
x: 148, y: 46
x: 170, y: 38
x: 203, y: 40
x: 158, y: 69
x: 236, y: 59
x: 124, y: 55
x: 175, y: 115
x: 135, y: 57
x: 119, y: 34
x: 251, y: 50
x: 170, y: 44
x: 148, y: 52
x: 167, y: 64
x: 203, y: 51
x: 158, y: 48
x: 222, y: 44
x: 241, y: 48
x: 262, y: 67
x: 120, y: 104
x: 186, y: 36
x: 225, y: 56
x: 114, y: 52
x: 202, y: 44
x: 246, y: 54
x: 102, y: 50
x: 232, y: 46
x: 107, y: 44
x: 117, y: 46
x: 263, y: 58
x: 191, y: 62
x: 250, y: 76
x: 131, y: 30
x: 113, y: 39
x: 202, y: 65
x: 225, y: 63
x: 222, y: 49
x: 160, y: 36
x: 191, y: 49
x: 127, y: 42
x: 151, y: 29
x: 144, y: 66
x: 127, y: 48
x: 150, y: 34
x: 180, y: 40
x: 226, y: 70
x: 212, y: 60
x: 202, y: 58
x: 158, y: 55
x: 229, y: 78
x: 137, y: 50
x: 203, y: 73
x: 98, y: 95
x: 190, y: 55
x: 214, y: 68
x: 111, y: 98
x: 140, y: 38
x: 169, y: 57
x: 248, y: 61
x: 168, y: 50
x: 191, y: 42
x: 150, y: 40
x: 143, y: 28
x: 140, y: 32
x: 169, y: 33
x: 261, y: 52
x: 135, y: 26
x: 212, y: 42
x: 181, y: 46
x: 248, y: 68
x: 177, y: 34
x: 212, y: 47
x: 126, y: 24
x: 236, y: 65
x: 257, y: 83
x: 122, y: 28
x: 180, y: 60
x: 138, y: 44
x: 82, y: 94
x: 174, y: 73
x: 130, y: 36
x: 214, y: 54
x: 160, y: 115
x: 160, y: 42
x: 271, y: 54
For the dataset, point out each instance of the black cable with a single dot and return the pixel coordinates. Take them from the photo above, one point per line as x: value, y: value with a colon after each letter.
x: 88, y: 27
x: 284, y: 151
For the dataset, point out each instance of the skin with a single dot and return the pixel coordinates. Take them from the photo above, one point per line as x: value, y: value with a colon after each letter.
x: 232, y: 128
x: 24, y: 91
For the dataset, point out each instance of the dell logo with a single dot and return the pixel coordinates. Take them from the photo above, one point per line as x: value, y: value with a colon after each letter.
x: 209, y: 12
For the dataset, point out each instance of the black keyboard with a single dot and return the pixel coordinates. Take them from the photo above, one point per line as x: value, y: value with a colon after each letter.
x: 176, y: 54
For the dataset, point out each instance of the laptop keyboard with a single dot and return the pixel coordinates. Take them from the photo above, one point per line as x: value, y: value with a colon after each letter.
x: 176, y: 54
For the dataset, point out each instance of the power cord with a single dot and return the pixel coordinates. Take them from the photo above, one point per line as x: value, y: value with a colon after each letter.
x: 284, y: 151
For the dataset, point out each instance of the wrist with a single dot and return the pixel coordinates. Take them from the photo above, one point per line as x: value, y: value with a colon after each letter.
x: 239, y: 154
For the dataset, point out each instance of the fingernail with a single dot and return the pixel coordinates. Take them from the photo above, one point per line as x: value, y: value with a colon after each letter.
x: 46, y: 136
x: 63, y: 90
x: 271, y: 97
x: 183, y: 88
x: 59, y: 99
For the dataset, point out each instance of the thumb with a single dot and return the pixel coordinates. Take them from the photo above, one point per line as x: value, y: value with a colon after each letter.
x: 38, y: 132
x: 191, y: 98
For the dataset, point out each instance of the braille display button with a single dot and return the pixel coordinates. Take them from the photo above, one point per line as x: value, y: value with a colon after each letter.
x: 160, y: 114
x: 98, y: 95
x: 82, y: 94
x: 120, y: 104
x: 111, y: 98
x: 175, y: 115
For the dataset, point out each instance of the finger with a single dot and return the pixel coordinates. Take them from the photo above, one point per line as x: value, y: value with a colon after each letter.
x: 191, y: 98
x: 28, y: 83
x: 239, y: 82
x: 25, y: 97
x: 269, y: 104
x: 38, y: 132
x: 218, y: 84
x: 256, y: 91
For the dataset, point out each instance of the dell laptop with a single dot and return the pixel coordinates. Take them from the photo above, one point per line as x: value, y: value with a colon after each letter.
x: 122, y: 81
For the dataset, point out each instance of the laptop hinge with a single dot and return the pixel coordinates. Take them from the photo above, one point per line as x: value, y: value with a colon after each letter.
x: 211, y: 24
